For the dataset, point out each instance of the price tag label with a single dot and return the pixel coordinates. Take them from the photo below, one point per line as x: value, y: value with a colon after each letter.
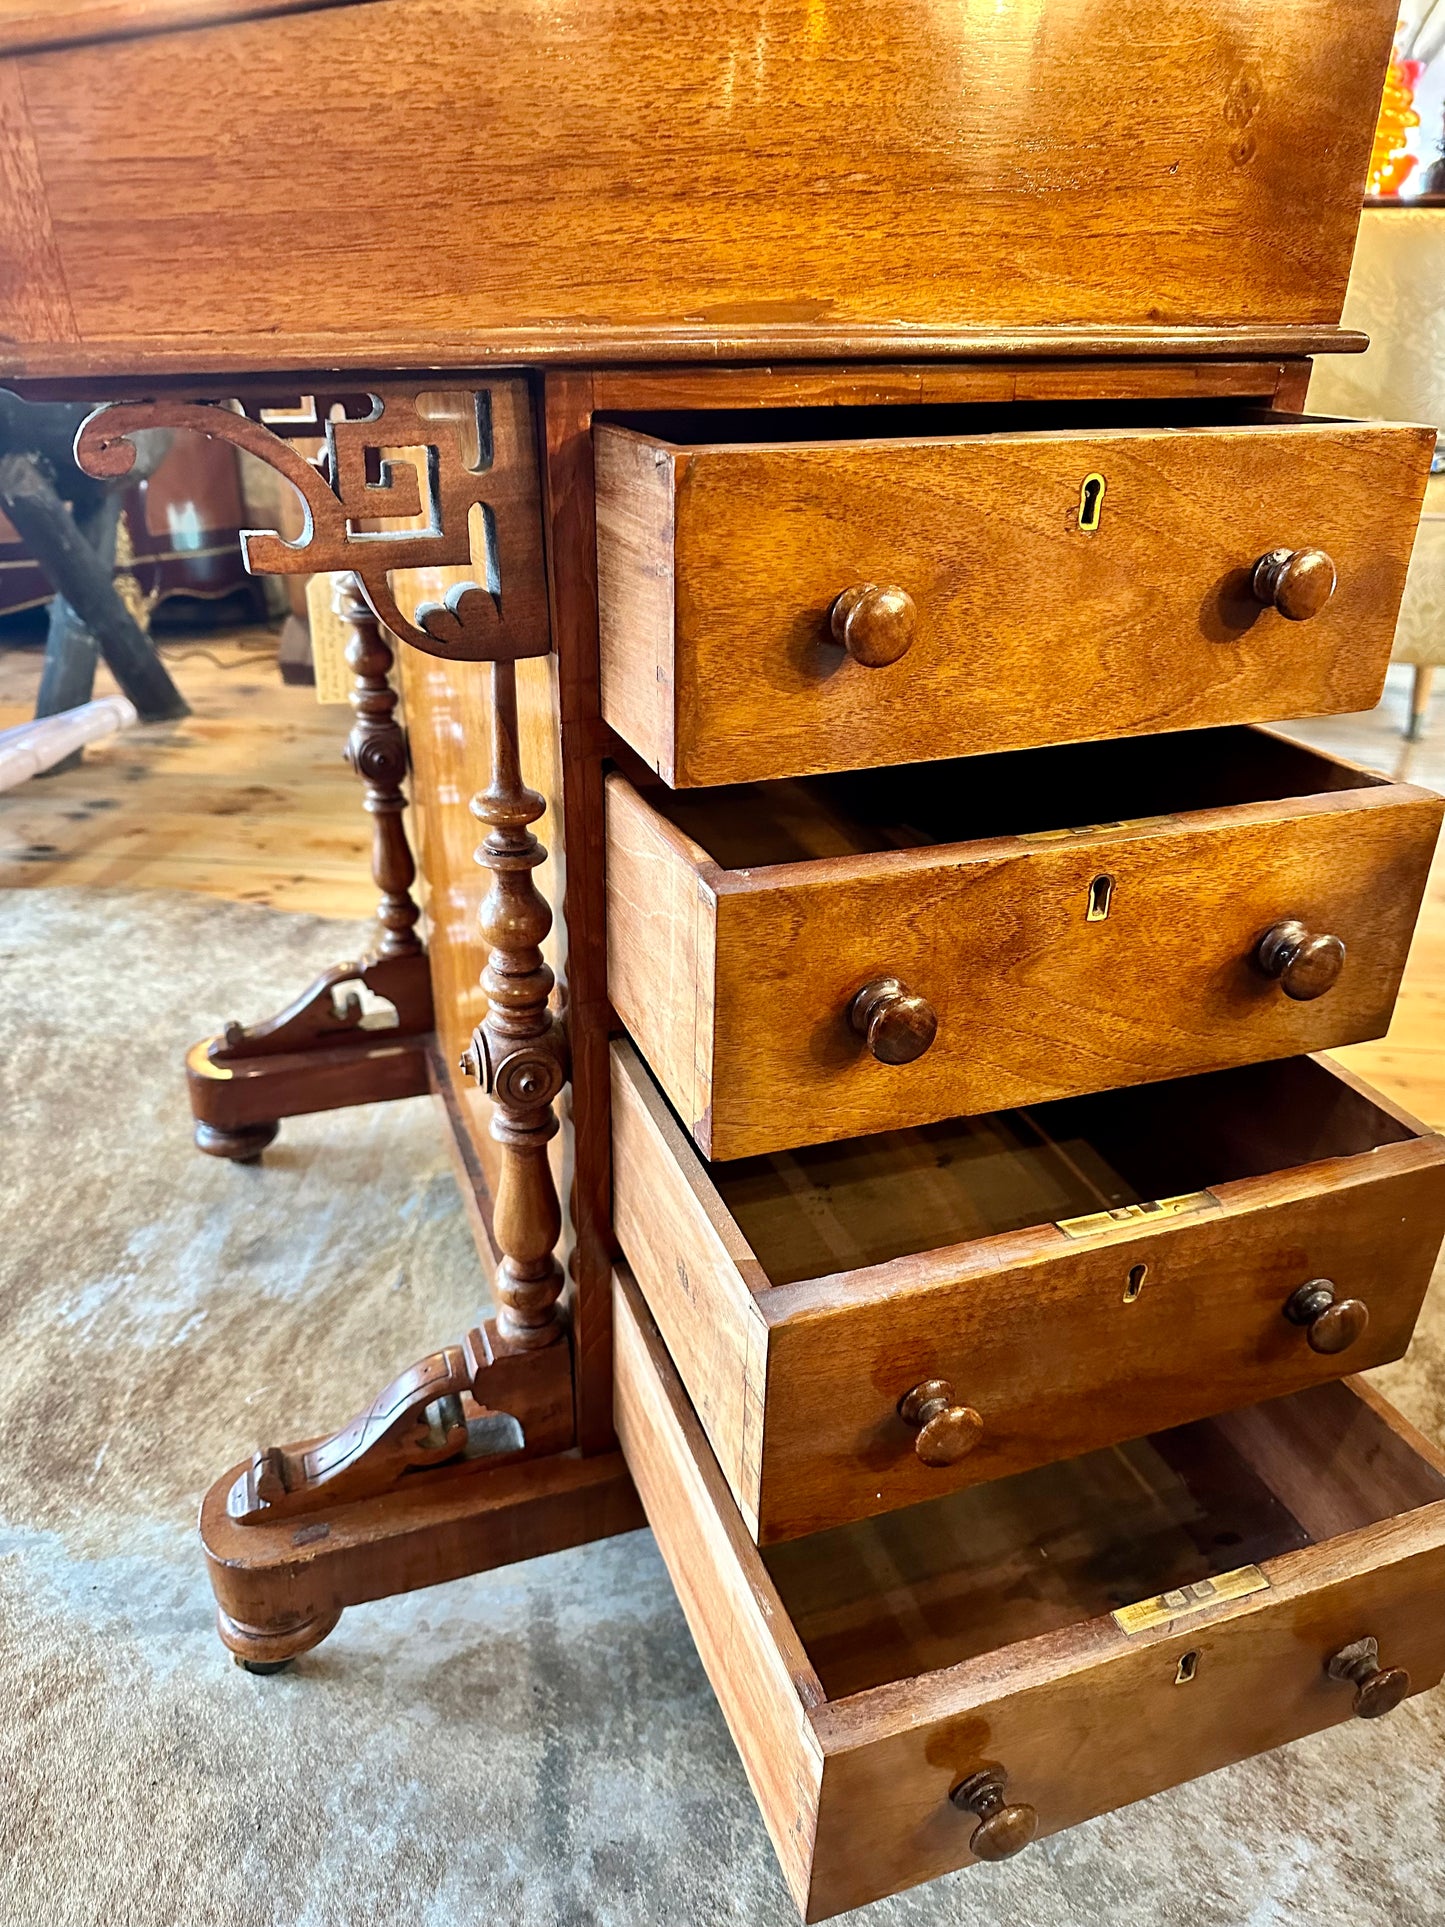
x: 329, y: 637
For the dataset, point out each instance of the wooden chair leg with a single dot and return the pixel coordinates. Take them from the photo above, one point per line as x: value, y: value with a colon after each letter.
x: 321, y: 1053
x: 1420, y: 700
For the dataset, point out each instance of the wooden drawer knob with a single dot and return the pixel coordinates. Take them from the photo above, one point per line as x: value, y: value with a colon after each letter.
x: 1306, y: 962
x: 875, y: 623
x: 1297, y: 582
x: 1378, y: 1690
x: 1002, y: 1830
x: 947, y: 1431
x: 1331, y: 1324
x: 897, y: 1025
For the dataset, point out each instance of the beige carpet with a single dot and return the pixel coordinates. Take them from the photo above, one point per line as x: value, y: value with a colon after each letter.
x: 537, y: 1746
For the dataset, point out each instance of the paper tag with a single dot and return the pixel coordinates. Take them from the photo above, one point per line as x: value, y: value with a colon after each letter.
x: 329, y: 639
x: 1165, y: 1607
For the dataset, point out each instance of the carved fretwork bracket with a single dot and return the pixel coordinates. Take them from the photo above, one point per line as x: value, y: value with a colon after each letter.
x: 478, y: 1405
x: 388, y: 457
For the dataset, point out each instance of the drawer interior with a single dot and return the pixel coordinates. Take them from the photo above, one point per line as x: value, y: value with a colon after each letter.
x: 835, y: 1207
x: 1013, y: 793
x: 939, y: 1583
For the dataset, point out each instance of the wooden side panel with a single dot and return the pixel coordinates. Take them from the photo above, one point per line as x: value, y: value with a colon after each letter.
x: 1029, y: 630
x: 446, y: 707
x: 661, y: 933
x: 695, y: 1268
x: 604, y: 173
x: 1091, y: 1720
x: 1033, y: 1000
x: 1046, y: 1347
x: 758, y: 1669
x: 635, y: 496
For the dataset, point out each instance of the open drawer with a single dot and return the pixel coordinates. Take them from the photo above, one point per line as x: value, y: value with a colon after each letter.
x: 817, y: 959
x: 820, y: 590
x: 1051, y: 1647
x: 866, y: 1325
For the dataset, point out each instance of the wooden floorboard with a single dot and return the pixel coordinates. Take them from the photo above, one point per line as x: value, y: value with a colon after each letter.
x: 247, y: 798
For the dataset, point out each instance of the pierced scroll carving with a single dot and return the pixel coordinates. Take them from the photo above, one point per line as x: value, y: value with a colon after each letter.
x: 474, y: 1405
x: 394, y: 461
x: 518, y: 1052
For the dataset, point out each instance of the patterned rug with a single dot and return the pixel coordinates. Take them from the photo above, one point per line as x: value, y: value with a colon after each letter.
x: 536, y: 1746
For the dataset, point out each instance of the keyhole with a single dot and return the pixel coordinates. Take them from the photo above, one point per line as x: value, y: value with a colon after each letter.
x: 1101, y: 895
x: 1091, y: 503
x: 1188, y: 1667
x: 1135, y: 1284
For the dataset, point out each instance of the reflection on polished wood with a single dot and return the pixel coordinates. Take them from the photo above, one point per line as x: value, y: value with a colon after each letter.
x: 810, y: 178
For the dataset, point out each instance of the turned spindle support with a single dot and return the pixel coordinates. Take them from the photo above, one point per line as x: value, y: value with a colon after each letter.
x: 376, y: 750
x: 518, y: 1052
x: 322, y: 1051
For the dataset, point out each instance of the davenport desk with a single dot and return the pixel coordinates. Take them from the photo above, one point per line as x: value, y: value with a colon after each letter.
x: 839, y: 472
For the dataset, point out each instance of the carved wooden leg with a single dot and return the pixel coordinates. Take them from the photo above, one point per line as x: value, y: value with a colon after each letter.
x: 469, y: 1434
x: 481, y: 1432
x: 319, y: 1053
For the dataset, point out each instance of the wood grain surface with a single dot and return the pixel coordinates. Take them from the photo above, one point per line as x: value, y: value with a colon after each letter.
x: 719, y: 564
x: 797, y: 1341
x: 878, y: 1818
x: 476, y: 179
x: 759, y: 1669
x: 735, y: 968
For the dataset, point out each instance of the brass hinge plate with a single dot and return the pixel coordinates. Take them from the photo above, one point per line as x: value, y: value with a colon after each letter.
x: 1165, y: 1607
x: 1093, y: 1222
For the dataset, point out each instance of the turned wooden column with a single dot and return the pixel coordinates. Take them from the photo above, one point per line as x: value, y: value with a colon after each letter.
x: 518, y: 1052
x: 376, y: 750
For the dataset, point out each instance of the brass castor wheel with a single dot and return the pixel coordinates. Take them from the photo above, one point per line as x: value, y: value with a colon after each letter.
x: 242, y: 1146
x: 262, y: 1666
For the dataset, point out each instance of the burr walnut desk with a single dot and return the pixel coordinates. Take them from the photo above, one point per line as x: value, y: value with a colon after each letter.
x: 842, y: 476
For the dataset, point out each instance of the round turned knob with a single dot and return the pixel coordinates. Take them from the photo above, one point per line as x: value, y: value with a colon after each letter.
x: 947, y: 1432
x: 1297, y: 582
x: 1331, y: 1324
x: 897, y: 1024
x: 875, y: 623
x: 1002, y: 1830
x: 1306, y: 962
x: 1378, y: 1690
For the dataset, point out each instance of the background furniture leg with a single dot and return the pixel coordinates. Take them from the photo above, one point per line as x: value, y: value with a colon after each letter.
x: 1420, y: 700
x: 34, y: 450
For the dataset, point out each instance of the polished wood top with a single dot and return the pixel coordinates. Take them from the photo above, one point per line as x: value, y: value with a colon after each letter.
x: 616, y: 180
x: 27, y: 26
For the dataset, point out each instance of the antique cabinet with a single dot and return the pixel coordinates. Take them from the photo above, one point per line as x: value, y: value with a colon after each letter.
x: 834, y: 491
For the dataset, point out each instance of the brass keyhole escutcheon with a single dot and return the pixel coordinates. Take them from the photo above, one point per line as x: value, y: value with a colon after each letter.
x: 1091, y: 503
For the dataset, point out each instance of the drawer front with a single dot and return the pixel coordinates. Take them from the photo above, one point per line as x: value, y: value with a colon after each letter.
x: 720, y: 568
x: 855, y: 1789
x: 1091, y: 1344
x: 740, y: 987
x: 1123, y: 1726
x: 1058, y: 1343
